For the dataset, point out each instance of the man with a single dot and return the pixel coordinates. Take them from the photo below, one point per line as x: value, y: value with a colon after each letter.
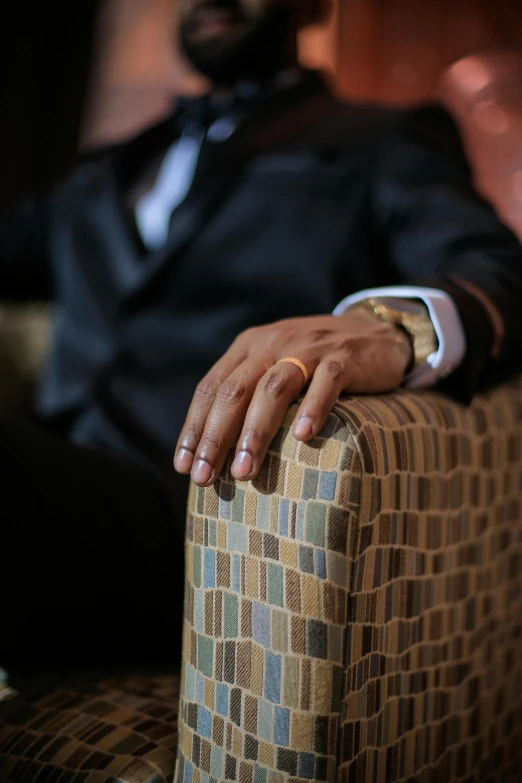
x: 216, y: 247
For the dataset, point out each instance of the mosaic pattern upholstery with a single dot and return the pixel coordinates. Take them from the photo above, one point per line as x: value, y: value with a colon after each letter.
x: 113, y: 731
x: 355, y: 614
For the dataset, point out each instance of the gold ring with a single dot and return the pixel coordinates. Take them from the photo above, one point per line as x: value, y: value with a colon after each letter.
x: 298, y: 364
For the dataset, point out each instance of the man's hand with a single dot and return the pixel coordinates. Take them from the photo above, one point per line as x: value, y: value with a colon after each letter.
x: 246, y: 395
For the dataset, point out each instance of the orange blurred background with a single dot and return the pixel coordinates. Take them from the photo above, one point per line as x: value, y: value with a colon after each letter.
x: 385, y: 50
x: 391, y: 51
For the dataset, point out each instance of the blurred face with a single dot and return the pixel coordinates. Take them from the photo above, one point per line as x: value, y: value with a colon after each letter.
x: 228, y: 40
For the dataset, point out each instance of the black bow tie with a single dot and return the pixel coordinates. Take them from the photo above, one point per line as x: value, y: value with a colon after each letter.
x: 238, y: 101
x: 206, y: 109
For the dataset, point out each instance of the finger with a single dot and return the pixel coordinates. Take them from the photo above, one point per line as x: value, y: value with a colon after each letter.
x: 200, y: 407
x: 225, y: 420
x: 275, y: 392
x: 327, y: 384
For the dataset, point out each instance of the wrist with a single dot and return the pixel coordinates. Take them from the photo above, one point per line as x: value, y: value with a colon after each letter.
x: 410, y: 317
x: 445, y: 317
x: 387, y: 331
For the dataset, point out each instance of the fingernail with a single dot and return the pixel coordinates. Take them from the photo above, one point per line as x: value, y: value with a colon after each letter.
x: 243, y: 465
x: 304, y: 427
x: 183, y: 461
x: 201, y: 472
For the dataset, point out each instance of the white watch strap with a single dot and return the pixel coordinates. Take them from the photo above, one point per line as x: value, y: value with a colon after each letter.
x: 446, y: 322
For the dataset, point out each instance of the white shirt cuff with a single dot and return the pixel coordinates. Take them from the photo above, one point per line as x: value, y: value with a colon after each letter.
x: 446, y: 322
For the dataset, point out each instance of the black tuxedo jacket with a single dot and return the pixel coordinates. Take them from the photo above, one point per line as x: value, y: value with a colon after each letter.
x: 310, y: 200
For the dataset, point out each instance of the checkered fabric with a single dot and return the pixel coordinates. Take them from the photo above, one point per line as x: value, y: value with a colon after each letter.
x: 355, y: 614
x: 117, y: 730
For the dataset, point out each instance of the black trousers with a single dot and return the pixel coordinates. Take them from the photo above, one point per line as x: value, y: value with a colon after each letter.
x: 91, y: 557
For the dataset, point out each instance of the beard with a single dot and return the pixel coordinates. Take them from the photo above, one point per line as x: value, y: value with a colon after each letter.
x: 257, y: 54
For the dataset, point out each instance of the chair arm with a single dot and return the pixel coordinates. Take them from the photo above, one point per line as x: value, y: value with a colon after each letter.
x: 356, y: 612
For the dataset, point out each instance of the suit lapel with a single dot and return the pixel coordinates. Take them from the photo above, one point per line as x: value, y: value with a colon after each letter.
x: 277, y: 121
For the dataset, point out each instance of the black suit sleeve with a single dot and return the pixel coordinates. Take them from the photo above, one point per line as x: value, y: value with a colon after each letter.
x: 24, y: 252
x: 437, y: 231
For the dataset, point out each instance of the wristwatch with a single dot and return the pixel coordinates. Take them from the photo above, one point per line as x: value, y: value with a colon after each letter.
x: 410, y: 315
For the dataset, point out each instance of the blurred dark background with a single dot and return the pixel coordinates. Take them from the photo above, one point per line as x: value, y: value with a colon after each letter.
x: 46, y: 53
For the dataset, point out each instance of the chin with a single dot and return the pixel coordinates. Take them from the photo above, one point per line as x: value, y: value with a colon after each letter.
x: 245, y: 52
x: 221, y: 59
x: 209, y: 48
